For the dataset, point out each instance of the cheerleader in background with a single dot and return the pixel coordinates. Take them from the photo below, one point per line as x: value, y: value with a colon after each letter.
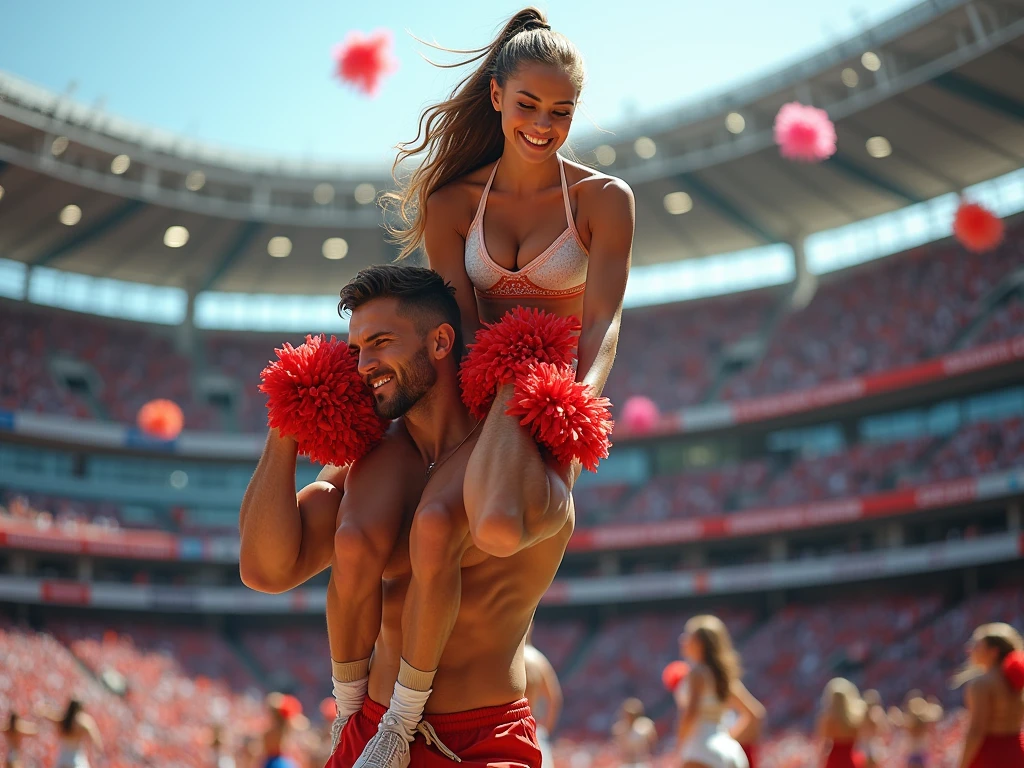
x: 14, y: 730
x: 634, y: 734
x: 917, y: 719
x: 875, y: 730
x: 993, y: 695
x: 710, y: 689
x: 843, y: 713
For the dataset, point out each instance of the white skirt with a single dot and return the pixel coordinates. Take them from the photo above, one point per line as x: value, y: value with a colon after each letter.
x: 547, y: 759
x: 712, y: 746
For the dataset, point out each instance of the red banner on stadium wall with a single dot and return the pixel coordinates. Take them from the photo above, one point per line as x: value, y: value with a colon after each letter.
x: 718, y: 415
x: 65, y: 593
x: 812, y: 515
x: 135, y: 545
x: 151, y: 545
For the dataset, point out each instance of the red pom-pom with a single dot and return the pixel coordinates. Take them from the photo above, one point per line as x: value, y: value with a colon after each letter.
x: 505, y: 349
x: 977, y: 228
x: 674, y: 674
x: 329, y: 709
x: 288, y: 706
x: 562, y: 415
x: 363, y: 60
x: 639, y: 415
x: 316, y: 395
x: 161, y: 418
x: 1013, y: 669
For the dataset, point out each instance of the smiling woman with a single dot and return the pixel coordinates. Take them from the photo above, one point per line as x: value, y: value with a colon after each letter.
x: 509, y: 222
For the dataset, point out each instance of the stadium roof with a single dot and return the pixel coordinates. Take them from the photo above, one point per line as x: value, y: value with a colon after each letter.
x: 940, y: 84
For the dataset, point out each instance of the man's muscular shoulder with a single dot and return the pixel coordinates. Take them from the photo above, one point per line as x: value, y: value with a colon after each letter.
x: 392, y: 459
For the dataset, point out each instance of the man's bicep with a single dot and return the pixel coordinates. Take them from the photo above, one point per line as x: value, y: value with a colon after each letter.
x: 318, y: 508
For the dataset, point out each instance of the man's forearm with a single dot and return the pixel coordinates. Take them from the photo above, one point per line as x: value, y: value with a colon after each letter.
x: 270, y: 527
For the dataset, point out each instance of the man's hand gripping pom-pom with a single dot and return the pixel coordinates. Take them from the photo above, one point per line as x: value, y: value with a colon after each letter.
x: 316, y: 395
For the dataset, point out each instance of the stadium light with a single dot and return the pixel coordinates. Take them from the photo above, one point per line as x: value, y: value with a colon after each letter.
x: 734, y: 122
x: 195, y: 181
x: 871, y: 61
x: 605, y: 154
x: 645, y: 147
x: 365, y: 193
x: 279, y: 247
x: 120, y: 164
x: 59, y: 146
x: 175, y: 237
x: 850, y: 77
x: 878, y: 147
x: 678, y: 202
x: 70, y: 215
x: 323, y: 194
x: 335, y: 248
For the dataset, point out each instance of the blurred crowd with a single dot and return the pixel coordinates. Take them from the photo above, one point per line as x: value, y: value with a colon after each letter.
x: 895, y: 312
x: 166, y: 695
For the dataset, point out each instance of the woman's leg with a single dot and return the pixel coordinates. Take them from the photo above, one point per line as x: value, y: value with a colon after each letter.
x: 513, y: 496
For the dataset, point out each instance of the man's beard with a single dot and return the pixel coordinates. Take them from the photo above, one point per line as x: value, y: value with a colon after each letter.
x: 417, y: 380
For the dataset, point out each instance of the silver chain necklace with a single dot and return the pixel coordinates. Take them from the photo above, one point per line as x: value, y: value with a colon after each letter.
x: 438, y: 462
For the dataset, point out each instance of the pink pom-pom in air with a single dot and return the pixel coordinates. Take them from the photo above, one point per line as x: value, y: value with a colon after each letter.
x: 804, y: 133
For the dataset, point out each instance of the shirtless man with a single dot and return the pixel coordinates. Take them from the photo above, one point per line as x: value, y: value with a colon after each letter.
x: 398, y: 326
x: 544, y: 693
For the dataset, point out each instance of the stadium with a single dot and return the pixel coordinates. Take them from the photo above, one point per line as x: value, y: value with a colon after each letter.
x: 836, y: 468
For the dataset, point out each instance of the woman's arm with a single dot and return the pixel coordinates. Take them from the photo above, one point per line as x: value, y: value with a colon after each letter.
x: 612, y: 218
x: 695, y: 683
x: 978, y: 698
x: 751, y: 711
x: 89, y: 726
x: 554, y: 692
x: 445, y: 245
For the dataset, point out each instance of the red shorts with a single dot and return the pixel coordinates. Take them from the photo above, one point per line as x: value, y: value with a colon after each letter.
x: 1003, y: 751
x: 495, y: 737
x: 750, y: 750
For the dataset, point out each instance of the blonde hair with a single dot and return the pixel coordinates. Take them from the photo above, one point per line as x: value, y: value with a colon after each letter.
x: 463, y: 133
x: 1004, y: 638
x: 843, y: 703
x: 923, y: 711
x: 719, y: 655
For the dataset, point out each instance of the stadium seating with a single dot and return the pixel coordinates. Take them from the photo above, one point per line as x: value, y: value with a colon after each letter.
x: 178, y: 680
x: 861, y: 469
x: 296, y: 657
x: 895, y: 312
x: 667, y: 353
x: 892, y: 313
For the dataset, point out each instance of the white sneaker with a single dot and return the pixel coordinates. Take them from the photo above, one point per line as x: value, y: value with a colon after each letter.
x: 336, y: 728
x: 388, y: 748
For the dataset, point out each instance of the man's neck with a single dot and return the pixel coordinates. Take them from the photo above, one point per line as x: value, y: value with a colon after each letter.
x: 440, y: 421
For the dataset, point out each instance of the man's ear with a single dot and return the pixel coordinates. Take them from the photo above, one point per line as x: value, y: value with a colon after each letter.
x: 443, y: 341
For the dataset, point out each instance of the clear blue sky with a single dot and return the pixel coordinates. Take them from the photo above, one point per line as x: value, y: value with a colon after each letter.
x: 256, y: 75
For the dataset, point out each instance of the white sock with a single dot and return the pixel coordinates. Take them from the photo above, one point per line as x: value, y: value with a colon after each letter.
x: 349, y: 696
x: 407, y: 705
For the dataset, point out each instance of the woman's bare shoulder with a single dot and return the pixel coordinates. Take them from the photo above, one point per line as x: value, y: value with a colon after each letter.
x: 593, y: 180
x: 460, y: 196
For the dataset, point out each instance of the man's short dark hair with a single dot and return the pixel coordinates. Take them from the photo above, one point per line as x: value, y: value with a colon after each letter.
x: 423, y: 295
